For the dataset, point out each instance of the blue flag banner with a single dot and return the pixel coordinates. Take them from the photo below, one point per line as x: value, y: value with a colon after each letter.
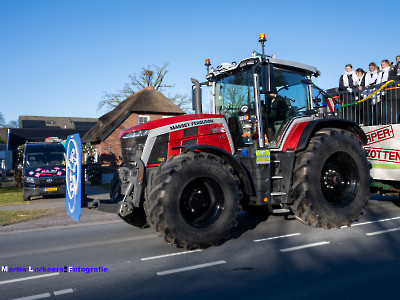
x: 73, y: 176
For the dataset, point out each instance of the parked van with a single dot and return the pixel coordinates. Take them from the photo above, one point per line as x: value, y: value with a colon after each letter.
x: 43, y: 170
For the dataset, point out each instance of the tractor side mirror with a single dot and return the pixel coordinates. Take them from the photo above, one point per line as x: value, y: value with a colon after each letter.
x: 317, y: 100
x: 265, y: 79
x: 306, y: 81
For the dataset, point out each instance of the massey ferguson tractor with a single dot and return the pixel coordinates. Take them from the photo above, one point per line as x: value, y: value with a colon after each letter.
x: 267, y: 145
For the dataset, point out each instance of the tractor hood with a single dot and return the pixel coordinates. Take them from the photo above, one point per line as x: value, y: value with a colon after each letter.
x: 190, y: 119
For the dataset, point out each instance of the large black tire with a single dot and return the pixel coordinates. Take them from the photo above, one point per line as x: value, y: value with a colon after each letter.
x: 138, y: 217
x: 331, y: 180
x: 194, y: 200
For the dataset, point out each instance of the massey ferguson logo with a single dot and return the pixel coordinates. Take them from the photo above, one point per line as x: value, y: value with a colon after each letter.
x: 379, y: 135
x: 191, y: 124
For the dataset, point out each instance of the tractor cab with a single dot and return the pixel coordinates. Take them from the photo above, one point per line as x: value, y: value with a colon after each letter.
x: 260, y: 97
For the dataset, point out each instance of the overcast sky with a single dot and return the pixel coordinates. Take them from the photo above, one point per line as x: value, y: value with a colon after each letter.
x: 58, y: 57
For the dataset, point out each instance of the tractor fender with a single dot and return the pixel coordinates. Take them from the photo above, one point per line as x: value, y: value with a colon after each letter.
x: 244, y: 178
x: 313, y: 126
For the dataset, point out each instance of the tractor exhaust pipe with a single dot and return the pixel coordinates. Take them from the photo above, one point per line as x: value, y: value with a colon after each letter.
x: 196, y: 97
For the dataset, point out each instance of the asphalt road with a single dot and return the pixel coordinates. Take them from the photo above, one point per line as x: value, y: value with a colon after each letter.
x: 264, y: 259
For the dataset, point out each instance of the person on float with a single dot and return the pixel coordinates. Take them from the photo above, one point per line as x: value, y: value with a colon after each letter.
x: 361, y: 78
x: 385, y: 72
x: 349, y: 80
x: 372, y: 75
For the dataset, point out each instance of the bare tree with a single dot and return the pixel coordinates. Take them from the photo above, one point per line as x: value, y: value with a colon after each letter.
x: 2, y: 121
x: 151, y: 76
x: 11, y: 124
x: 182, y: 101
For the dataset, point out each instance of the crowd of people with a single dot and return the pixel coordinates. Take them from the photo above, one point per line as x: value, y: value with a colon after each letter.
x: 360, y: 79
x: 360, y: 85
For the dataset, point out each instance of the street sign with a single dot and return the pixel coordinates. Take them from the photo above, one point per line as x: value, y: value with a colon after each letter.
x: 73, y: 176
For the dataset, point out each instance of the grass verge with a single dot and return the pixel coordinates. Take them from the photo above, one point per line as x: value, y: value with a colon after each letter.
x: 16, y: 216
x: 11, y: 196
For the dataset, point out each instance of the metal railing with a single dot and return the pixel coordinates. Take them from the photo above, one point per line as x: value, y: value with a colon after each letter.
x: 377, y: 105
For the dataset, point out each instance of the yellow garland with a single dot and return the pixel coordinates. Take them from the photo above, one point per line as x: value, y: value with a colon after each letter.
x: 374, y: 93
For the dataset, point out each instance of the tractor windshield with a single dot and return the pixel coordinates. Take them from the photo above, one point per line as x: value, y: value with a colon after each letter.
x: 288, y: 100
x: 289, y: 86
x: 233, y: 92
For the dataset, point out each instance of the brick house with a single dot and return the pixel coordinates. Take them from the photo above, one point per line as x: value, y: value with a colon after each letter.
x: 146, y: 105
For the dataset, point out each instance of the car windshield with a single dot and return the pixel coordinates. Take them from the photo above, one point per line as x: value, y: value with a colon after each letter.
x: 44, y: 155
x: 45, y: 159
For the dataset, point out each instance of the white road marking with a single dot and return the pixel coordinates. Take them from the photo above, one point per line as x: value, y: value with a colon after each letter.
x: 304, y: 246
x: 168, y: 255
x: 383, y: 231
x: 33, y: 297
x: 28, y: 278
x: 191, y: 267
x: 372, y: 222
x: 46, y: 295
x: 62, y: 292
x: 277, y: 237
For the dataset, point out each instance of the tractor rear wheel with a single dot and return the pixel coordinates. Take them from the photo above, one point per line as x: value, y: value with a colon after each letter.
x: 331, y: 180
x: 137, y: 217
x: 194, y: 200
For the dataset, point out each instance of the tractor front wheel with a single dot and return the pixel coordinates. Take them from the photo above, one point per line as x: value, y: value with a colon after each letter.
x: 194, y: 200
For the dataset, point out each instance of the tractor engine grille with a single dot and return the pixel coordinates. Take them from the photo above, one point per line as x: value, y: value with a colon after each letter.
x: 132, y: 147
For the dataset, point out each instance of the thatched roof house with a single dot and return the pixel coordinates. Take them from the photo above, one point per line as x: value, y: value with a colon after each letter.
x: 146, y: 101
x: 147, y: 105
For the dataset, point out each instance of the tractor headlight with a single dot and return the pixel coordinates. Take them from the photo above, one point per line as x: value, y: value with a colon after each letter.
x: 138, y: 133
x: 132, y: 144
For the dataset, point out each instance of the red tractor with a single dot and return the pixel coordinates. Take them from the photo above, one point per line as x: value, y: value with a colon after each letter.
x: 266, y: 146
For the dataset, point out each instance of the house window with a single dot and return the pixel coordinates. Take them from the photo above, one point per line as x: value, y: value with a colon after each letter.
x: 143, y: 119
